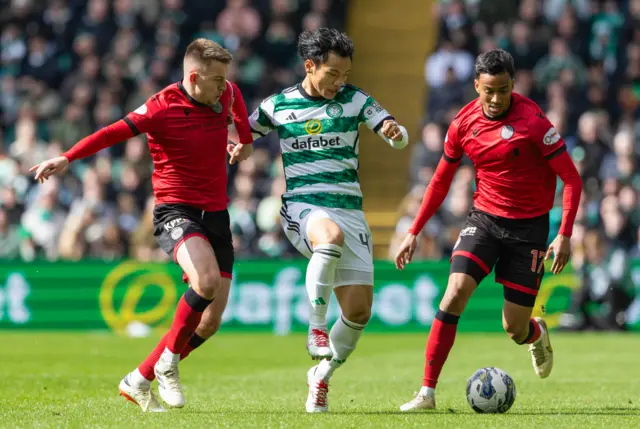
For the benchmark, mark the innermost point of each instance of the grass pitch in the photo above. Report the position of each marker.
(257, 380)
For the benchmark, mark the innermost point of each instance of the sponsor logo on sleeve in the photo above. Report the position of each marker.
(551, 137)
(141, 110)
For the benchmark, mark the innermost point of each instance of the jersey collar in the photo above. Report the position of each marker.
(190, 98)
(502, 116)
(306, 95)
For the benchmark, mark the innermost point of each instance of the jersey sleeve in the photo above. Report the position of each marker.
(261, 120)
(239, 113)
(373, 114)
(452, 147)
(148, 117)
(545, 137)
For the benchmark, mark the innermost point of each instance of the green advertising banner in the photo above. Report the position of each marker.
(265, 296)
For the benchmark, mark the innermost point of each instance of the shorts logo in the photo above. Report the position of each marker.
(313, 127)
(470, 230)
(551, 137)
(334, 110)
(176, 233)
(304, 212)
(507, 132)
(173, 223)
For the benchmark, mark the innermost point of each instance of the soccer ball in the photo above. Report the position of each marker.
(491, 390)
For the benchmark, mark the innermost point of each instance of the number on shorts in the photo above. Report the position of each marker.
(537, 260)
(364, 239)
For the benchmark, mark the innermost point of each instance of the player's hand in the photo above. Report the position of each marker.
(405, 251)
(561, 248)
(239, 152)
(48, 168)
(391, 130)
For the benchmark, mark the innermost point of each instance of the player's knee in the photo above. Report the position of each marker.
(326, 231)
(359, 315)
(207, 283)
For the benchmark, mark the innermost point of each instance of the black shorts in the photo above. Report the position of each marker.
(174, 223)
(516, 247)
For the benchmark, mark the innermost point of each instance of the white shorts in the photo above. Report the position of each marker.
(355, 267)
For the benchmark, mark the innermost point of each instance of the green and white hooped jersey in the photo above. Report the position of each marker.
(319, 142)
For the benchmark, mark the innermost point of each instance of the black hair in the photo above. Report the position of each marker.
(316, 45)
(495, 62)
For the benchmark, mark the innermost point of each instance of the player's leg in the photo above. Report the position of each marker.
(197, 259)
(473, 258)
(178, 235)
(211, 319)
(219, 235)
(355, 303)
(209, 325)
(327, 240)
(312, 231)
(520, 270)
(353, 286)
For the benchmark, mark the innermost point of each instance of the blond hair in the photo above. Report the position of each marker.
(205, 51)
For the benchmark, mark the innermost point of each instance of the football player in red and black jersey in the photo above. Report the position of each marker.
(517, 154)
(187, 128)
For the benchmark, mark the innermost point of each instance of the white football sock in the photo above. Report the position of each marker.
(427, 391)
(321, 273)
(170, 357)
(343, 338)
(136, 379)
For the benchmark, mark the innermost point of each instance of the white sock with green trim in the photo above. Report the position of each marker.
(321, 273)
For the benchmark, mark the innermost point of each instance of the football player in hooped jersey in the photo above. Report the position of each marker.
(317, 122)
(187, 128)
(517, 154)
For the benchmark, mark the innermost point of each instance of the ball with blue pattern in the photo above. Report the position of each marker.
(491, 390)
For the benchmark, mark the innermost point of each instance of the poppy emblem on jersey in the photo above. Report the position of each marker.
(313, 126)
(334, 110)
(507, 132)
(176, 232)
(217, 107)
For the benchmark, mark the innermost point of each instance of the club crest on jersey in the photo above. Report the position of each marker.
(507, 132)
(217, 107)
(313, 126)
(334, 110)
(551, 137)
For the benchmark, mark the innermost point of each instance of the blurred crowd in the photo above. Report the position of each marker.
(70, 67)
(580, 61)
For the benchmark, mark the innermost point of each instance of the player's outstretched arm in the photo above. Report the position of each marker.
(243, 150)
(101, 139)
(563, 165)
(434, 196)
